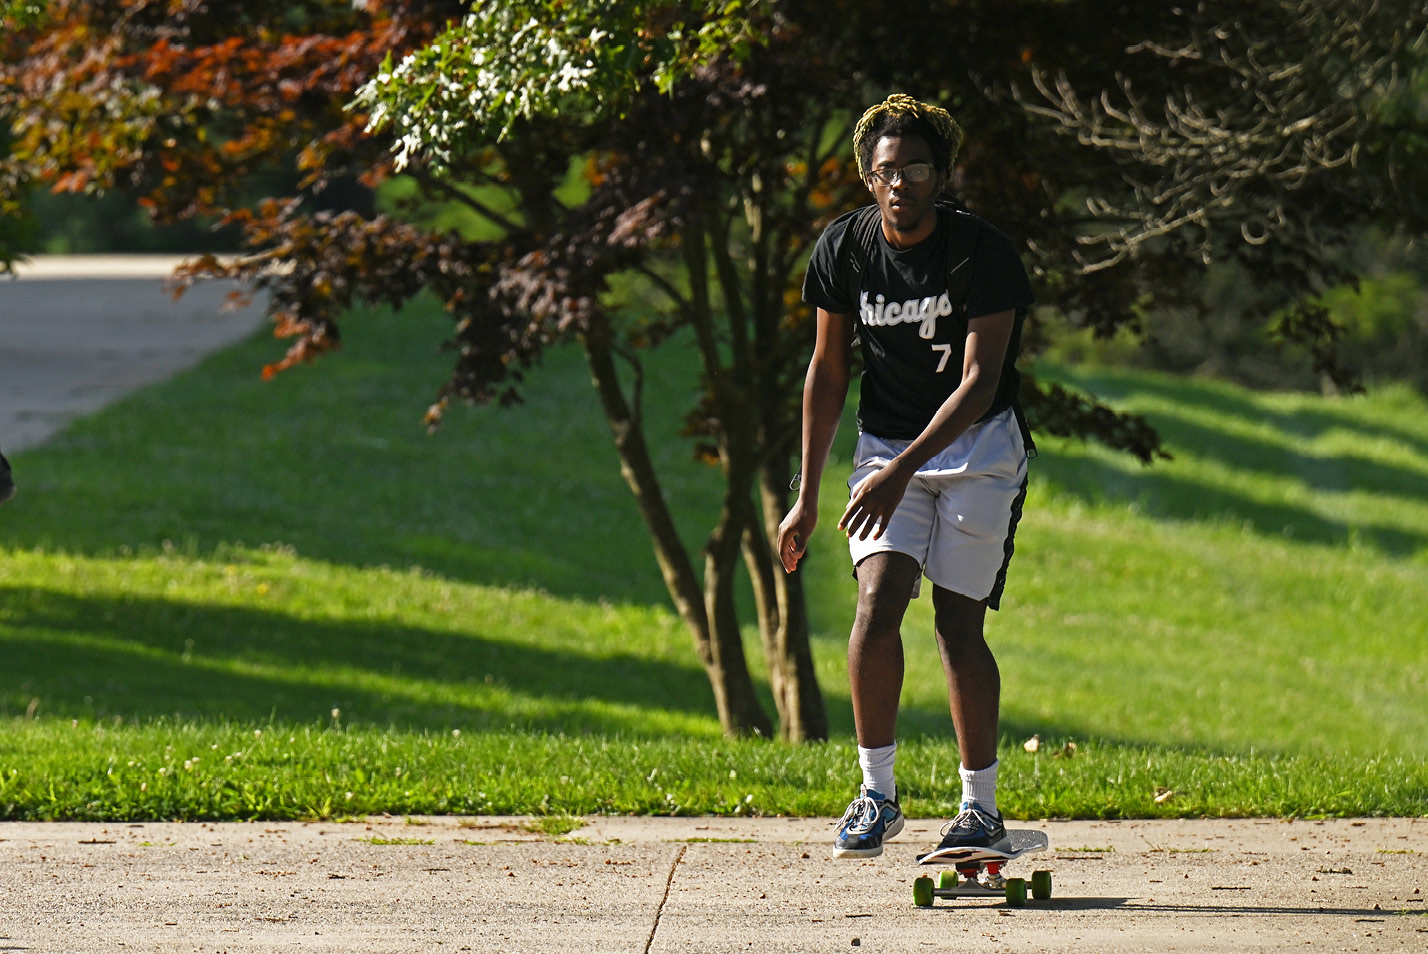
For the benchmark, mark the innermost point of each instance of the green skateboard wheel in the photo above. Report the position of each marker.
(1016, 892)
(1041, 885)
(922, 892)
(947, 879)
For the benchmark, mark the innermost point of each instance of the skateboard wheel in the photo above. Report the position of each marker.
(922, 892)
(1041, 885)
(947, 879)
(1016, 892)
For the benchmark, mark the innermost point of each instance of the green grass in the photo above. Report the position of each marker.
(209, 769)
(224, 598)
(554, 826)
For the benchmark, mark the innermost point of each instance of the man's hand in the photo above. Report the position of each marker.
(873, 501)
(793, 534)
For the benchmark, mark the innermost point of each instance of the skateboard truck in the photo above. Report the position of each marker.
(980, 880)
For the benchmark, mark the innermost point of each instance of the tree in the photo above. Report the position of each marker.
(1269, 135)
(682, 193)
(183, 108)
(1125, 144)
(16, 228)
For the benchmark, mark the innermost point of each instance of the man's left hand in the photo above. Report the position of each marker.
(873, 501)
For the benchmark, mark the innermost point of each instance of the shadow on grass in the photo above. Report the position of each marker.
(142, 658)
(1337, 472)
(1229, 402)
(1161, 491)
(334, 462)
(139, 659)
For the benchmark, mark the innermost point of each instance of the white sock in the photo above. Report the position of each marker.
(877, 765)
(980, 786)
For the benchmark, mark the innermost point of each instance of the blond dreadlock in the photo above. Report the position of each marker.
(900, 105)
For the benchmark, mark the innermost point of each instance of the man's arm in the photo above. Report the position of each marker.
(825, 389)
(876, 497)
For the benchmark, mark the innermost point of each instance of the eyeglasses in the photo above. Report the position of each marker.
(916, 172)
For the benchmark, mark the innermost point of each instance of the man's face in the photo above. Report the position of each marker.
(908, 207)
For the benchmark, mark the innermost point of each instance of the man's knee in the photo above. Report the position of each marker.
(885, 584)
(959, 621)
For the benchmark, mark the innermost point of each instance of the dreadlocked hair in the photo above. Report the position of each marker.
(901, 115)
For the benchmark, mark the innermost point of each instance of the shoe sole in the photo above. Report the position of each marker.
(893, 830)
(857, 852)
(1001, 849)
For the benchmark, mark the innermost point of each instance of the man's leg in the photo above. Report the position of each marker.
(974, 696)
(875, 669)
(875, 661)
(974, 683)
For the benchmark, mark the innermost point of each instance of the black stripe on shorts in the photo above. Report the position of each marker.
(994, 599)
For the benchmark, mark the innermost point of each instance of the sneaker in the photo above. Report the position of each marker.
(870, 818)
(974, 827)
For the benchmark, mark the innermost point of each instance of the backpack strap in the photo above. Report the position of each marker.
(966, 229)
(857, 252)
(858, 248)
(863, 231)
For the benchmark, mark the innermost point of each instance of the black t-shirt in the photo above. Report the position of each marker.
(913, 336)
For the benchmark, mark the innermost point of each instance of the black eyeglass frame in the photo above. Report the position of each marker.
(888, 177)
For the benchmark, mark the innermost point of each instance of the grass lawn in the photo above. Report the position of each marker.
(225, 598)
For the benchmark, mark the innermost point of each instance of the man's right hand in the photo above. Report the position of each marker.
(793, 535)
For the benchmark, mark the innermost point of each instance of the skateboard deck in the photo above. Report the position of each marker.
(1023, 841)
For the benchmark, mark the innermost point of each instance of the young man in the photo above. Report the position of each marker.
(940, 464)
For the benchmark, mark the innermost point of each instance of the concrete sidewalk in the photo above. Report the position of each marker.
(699, 884)
(79, 332)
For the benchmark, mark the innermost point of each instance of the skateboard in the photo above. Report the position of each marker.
(978, 872)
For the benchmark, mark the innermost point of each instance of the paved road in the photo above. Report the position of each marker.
(702, 884)
(78, 332)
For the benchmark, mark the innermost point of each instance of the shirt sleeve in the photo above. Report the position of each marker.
(825, 283)
(999, 280)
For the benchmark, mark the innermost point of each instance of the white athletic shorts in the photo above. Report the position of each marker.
(960, 512)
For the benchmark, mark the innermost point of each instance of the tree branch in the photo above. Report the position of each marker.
(664, 285)
(449, 190)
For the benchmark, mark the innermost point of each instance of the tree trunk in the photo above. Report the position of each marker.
(783, 618)
(734, 698)
(738, 442)
(783, 610)
(720, 562)
(749, 397)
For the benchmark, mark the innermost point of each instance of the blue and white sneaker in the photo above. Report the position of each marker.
(975, 828)
(869, 820)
